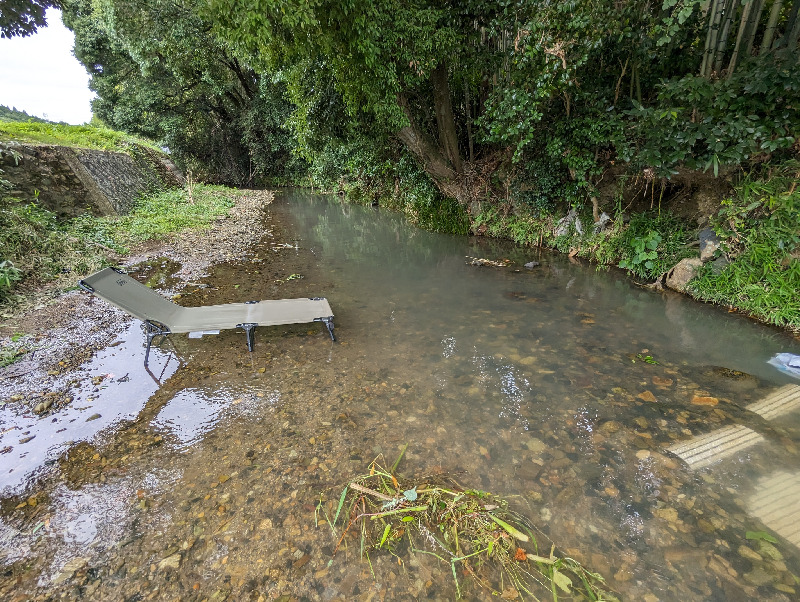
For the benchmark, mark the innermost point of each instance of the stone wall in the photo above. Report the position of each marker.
(70, 181)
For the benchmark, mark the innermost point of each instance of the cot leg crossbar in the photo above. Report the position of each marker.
(250, 333)
(250, 330)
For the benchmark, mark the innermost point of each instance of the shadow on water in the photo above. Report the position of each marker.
(562, 387)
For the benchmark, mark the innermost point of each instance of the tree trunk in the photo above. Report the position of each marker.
(433, 161)
(752, 26)
(448, 138)
(468, 108)
(769, 32)
(740, 36)
(789, 40)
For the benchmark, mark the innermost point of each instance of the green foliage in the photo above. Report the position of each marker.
(159, 72)
(365, 174)
(759, 230)
(703, 124)
(36, 248)
(24, 17)
(9, 275)
(642, 259)
(83, 136)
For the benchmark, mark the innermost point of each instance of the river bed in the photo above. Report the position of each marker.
(564, 388)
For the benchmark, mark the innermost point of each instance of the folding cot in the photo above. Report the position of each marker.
(163, 317)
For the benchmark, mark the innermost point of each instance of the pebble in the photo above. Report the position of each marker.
(43, 406)
(535, 445)
(70, 568)
(767, 550)
(647, 396)
(170, 562)
(750, 554)
(759, 577)
(701, 400)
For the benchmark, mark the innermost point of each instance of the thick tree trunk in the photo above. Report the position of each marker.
(448, 138)
(422, 147)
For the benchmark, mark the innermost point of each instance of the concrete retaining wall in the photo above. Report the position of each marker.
(70, 181)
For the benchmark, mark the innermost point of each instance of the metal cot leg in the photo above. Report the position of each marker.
(249, 332)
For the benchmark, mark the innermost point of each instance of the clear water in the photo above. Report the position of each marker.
(560, 387)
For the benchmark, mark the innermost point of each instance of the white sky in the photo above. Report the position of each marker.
(40, 75)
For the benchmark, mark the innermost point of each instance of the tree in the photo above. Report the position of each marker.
(387, 61)
(24, 17)
(159, 72)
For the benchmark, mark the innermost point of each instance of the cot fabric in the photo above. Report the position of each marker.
(164, 317)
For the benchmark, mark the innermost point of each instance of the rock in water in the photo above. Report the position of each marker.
(679, 276)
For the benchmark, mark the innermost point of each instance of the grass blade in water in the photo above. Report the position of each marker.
(341, 503)
(509, 529)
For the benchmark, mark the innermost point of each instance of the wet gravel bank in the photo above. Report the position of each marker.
(54, 338)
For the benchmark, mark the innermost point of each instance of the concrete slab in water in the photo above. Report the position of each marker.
(777, 504)
(705, 450)
(780, 402)
(702, 451)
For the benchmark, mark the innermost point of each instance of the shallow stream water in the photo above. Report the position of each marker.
(561, 387)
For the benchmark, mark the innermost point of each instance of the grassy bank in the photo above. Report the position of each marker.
(760, 232)
(36, 248)
(82, 136)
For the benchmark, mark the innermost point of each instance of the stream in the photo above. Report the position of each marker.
(629, 425)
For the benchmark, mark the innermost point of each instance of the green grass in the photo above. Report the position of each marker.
(37, 248)
(82, 136)
(169, 212)
(760, 230)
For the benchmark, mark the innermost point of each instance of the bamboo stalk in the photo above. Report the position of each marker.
(746, 11)
(722, 42)
(769, 32)
(752, 26)
(711, 37)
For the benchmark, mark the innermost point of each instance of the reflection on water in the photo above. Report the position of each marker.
(561, 387)
(30, 442)
(189, 415)
(574, 381)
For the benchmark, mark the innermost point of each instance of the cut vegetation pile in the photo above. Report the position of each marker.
(476, 533)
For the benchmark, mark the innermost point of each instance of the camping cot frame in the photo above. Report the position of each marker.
(162, 317)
